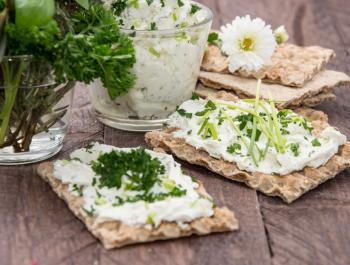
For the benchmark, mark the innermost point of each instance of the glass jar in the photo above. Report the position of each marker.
(34, 111)
(167, 68)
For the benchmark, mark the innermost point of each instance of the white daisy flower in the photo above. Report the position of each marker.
(248, 43)
(281, 35)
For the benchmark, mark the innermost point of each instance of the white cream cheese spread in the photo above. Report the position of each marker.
(113, 188)
(284, 141)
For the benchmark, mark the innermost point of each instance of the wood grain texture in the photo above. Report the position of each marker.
(35, 225)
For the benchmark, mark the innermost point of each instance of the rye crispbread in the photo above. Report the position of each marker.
(323, 84)
(115, 234)
(290, 65)
(288, 187)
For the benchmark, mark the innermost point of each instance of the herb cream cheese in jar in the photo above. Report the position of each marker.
(169, 38)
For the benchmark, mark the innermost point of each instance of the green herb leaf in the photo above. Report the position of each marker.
(162, 3)
(185, 114)
(153, 26)
(149, 2)
(213, 37)
(194, 9)
(257, 134)
(294, 147)
(195, 96)
(180, 3)
(233, 148)
(315, 142)
(118, 6)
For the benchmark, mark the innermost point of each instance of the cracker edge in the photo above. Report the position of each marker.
(289, 187)
(115, 234)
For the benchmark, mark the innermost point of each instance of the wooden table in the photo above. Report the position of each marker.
(36, 225)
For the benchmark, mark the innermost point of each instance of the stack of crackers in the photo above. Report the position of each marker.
(294, 77)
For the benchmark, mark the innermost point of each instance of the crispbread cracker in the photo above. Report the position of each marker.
(290, 65)
(312, 101)
(288, 187)
(114, 234)
(324, 82)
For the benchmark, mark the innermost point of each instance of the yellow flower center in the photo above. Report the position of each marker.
(247, 44)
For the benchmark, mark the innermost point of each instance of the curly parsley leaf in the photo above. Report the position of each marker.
(213, 37)
(183, 113)
(194, 9)
(195, 96)
(118, 6)
(315, 142)
(233, 148)
(294, 147)
(96, 51)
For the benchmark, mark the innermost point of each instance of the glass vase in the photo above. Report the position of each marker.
(34, 111)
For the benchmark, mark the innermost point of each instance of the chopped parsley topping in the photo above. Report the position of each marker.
(162, 3)
(315, 142)
(180, 3)
(195, 96)
(213, 38)
(243, 119)
(142, 173)
(153, 26)
(183, 113)
(294, 147)
(149, 2)
(233, 148)
(141, 169)
(257, 134)
(194, 9)
(78, 189)
(118, 6)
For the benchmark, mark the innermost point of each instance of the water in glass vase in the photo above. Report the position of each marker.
(34, 111)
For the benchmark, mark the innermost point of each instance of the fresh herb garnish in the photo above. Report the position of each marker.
(213, 37)
(180, 3)
(294, 147)
(162, 3)
(194, 9)
(183, 113)
(153, 26)
(195, 96)
(243, 119)
(315, 142)
(257, 134)
(78, 189)
(149, 2)
(141, 169)
(233, 148)
(118, 6)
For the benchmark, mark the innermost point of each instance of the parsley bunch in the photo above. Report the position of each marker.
(92, 47)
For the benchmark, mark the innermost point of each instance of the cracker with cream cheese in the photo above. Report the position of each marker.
(115, 234)
(288, 187)
(290, 65)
